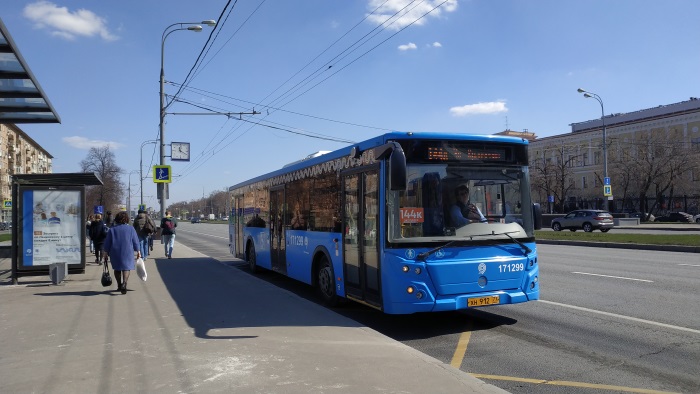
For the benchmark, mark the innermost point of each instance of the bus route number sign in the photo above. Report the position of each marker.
(412, 215)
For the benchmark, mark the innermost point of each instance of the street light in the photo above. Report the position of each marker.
(587, 94)
(166, 33)
(141, 165)
(128, 197)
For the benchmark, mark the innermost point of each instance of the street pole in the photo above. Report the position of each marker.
(161, 129)
(587, 94)
(141, 165)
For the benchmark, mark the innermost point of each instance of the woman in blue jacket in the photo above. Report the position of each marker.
(120, 245)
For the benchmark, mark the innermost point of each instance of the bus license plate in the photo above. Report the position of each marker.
(483, 301)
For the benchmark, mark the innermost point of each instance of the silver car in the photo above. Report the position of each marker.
(585, 219)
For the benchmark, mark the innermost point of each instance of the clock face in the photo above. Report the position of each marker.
(180, 151)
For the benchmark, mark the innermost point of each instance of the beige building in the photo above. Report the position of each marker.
(635, 141)
(19, 154)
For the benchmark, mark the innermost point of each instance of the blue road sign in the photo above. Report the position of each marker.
(98, 209)
(606, 180)
(162, 174)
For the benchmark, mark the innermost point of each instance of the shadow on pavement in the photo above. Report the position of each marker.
(214, 296)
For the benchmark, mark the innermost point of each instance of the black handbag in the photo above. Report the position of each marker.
(106, 277)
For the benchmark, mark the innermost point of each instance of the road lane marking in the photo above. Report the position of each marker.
(461, 349)
(208, 235)
(653, 323)
(691, 265)
(569, 384)
(615, 277)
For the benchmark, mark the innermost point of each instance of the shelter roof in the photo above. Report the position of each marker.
(21, 98)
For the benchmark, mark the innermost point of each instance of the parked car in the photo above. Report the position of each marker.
(643, 216)
(4, 226)
(696, 218)
(676, 217)
(195, 220)
(585, 219)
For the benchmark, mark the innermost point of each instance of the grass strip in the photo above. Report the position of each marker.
(596, 236)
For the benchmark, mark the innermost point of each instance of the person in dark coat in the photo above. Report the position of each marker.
(120, 245)
(168, 224)
(98, 233)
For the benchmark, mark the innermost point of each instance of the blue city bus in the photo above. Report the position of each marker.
(375, 223)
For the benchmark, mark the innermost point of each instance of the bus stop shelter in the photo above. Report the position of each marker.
(48, 213)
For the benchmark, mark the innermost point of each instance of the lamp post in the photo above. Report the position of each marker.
(181, 26)
(587, 94)
(141, 165)
(128, 197)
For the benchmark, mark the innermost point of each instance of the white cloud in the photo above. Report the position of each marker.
(407, 13)
(65, 24)
(407, 47)
(84, 143)
(437, 45)
(494, 107)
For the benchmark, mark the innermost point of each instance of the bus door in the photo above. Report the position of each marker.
(277, 241)
(360, 234)
(236, 218)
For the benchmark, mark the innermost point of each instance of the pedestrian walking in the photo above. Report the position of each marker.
(88, 225)
(144, 226)
(108, 219)
(98, 234)
(120, 245)
(168, 224)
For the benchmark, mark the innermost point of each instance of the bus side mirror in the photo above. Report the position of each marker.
(537, 216)
(396, 163)
(397, 169)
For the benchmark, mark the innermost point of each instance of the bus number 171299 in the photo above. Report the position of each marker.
(511, 267)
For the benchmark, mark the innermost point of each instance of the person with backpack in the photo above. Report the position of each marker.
(168, 224)
(144, 226)
(98, 233)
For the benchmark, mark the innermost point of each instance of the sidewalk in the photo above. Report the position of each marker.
(198, 326)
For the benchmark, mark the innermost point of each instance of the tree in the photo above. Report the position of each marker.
(101, 162)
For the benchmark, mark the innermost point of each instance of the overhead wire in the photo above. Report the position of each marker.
(326, 68)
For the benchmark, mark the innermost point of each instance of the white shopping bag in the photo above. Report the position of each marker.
(141, 269)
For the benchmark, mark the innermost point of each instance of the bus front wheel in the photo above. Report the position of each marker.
(325, 282)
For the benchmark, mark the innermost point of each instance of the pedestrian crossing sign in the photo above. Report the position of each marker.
(607, 190)
(162, 174)
(6, 204)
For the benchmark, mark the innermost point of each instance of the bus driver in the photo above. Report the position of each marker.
(464, 212)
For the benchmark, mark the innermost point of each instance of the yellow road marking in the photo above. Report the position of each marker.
(461, 350)
(571, 384)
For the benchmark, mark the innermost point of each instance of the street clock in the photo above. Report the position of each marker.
(180, 151)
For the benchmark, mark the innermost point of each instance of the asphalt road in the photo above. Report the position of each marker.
(610, 320)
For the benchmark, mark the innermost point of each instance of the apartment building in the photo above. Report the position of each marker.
(648, 136)
(19, 154)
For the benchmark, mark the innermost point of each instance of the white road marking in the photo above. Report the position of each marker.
(691, 265)
(616, 277)
(653, 323)
(208, 235)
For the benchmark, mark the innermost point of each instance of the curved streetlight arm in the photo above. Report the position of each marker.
(141, 164)
(161, 129)
(588, 94)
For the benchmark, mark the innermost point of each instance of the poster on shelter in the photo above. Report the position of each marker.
(51, 227)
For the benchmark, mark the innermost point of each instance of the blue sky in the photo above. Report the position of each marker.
(331, 69)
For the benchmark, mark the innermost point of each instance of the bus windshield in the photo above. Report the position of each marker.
(444, 202)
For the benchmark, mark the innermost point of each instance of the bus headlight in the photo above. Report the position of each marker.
(404, 268)
(410, 289)
(417, 270)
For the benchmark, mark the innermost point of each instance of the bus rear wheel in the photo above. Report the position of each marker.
(325, 282)
(252, 260)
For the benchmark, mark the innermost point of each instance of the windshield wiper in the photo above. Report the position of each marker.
(424, 255)
(507, 234)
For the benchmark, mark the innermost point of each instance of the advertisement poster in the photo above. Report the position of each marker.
(51, 227)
